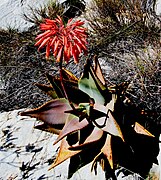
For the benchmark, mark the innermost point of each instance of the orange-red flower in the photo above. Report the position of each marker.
(63, 40)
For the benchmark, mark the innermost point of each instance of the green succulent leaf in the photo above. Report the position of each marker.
(73, 92)
(71, 88)
(85, 107)
(109, 106)
(91, 85)
(88, 86)
(79, 112)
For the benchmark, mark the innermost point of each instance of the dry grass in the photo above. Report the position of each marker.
(67, 9)
(142, 69)
(127, 35)
(20, 67)
(115, 20)
(50, 10)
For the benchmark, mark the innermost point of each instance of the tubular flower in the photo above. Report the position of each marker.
(63, 40)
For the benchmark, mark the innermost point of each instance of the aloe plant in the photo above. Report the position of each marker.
(95, 122)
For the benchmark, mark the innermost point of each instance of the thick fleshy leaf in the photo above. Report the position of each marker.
(104, 163)
(48, 90)
(71, 88)
(104, 109)
(64, 153)
(53, 112)
(107, 151)
(101, 86)
(57, 88)
(98, 70)
(47, 128)
(73, 92)
(92, 138)
(88, 86)
(110, 124)
(71, 126)
(99, 158)
(91, 85)
(141, 130)
(110, 106)
(85, 107)
(85, 156)
(79, 112)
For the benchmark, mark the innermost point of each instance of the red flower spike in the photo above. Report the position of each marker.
(53, 41)
(59, 54)
(45, 27)
(42, 34)
(39, 41)
(45, 41)
(56, 45)
(49, 21)
(78, 48)
(65, 40)
(48, 50)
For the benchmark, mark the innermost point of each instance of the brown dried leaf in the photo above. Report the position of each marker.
(48, 90)
(68, 75)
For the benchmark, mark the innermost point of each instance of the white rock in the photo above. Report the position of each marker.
(16, 134)
(11, 12)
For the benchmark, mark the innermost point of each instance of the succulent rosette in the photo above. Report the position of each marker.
(101, 127)
(63, 40)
